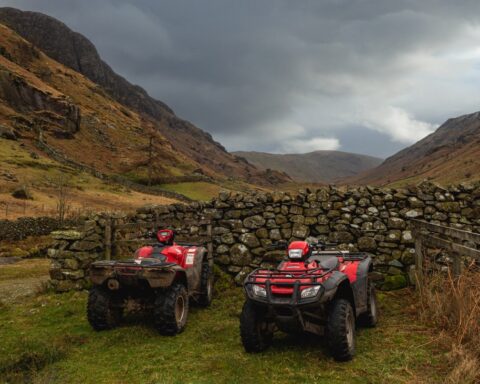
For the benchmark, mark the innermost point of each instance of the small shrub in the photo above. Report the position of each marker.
(22, 193)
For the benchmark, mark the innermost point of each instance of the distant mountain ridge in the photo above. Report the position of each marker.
(316, 167)
(450, 154)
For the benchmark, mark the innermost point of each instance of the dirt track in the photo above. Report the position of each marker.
(11, 290)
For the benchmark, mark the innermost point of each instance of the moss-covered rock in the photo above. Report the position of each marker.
(394, 282)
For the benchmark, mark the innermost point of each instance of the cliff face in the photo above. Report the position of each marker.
(194, 147)
(76, 52)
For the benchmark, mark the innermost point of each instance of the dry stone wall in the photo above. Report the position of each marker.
(375, 220)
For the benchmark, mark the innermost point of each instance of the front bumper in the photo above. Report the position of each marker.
(293, 300)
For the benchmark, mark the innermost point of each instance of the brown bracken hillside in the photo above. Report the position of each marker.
(450, 154)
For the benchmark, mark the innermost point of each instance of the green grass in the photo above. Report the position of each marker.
(200, 190)
(24, 269)
(48, 340)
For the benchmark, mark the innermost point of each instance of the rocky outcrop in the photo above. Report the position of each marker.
(75, 51)
(367, 219)
(47, 112)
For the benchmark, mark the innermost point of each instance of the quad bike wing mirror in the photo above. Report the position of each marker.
(324, 246)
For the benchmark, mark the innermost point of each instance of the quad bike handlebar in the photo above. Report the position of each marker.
(315, 244)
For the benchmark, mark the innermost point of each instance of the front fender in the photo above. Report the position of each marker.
(331, 285)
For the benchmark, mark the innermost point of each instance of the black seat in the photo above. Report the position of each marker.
(326, 262)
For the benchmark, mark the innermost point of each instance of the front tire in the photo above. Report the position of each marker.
(341, 330)
(255, 331)
(104, 310)
(171, 310)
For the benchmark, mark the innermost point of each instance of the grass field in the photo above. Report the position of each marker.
(46, 339)
(199, 190)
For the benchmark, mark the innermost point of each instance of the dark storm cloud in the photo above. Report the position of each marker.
(291, 76)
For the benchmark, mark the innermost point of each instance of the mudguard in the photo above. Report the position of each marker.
(194, 273)
(331, 285)
(360, 285)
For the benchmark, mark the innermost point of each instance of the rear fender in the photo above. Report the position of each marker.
(100, 272)
(194, 273)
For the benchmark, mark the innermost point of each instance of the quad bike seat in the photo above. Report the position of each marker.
(326, 262)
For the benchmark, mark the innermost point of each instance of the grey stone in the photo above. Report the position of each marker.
(396, 223)
(300, 231)
(240, 255)
(227, 238)
(222, 249)
(250, 240)
(254, 222)
(82, 245)
(67, 235)
(367, 244)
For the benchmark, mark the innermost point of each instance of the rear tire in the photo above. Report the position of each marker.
(340, 330)
(254, 330)
(206, 286)
(104, 309)
(370, 317)
(170, 310)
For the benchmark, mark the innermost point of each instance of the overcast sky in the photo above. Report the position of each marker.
(365, 76)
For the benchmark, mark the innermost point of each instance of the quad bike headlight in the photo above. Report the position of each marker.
(310, 292)
(295, 253)
(259, 291)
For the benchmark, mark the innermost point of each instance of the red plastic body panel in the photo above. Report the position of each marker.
(350, 269)
(299, 268)
(176, 254)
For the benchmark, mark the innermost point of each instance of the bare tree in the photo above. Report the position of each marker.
(62, 187)
(150, 160)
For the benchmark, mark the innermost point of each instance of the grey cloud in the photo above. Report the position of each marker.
(257, 73)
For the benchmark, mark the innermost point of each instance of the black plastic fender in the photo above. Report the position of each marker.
(331, 285)
(360, 285)
(194, 273)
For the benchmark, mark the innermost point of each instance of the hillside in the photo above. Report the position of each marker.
(450, 154)
(317, 167)
(85, 104)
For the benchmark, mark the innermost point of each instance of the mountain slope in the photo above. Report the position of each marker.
(450, 154)
(192, 147)
(317, 167)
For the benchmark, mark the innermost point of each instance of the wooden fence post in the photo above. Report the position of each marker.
(457, 264)
(108, 238)
(418, 261)
(210, 244)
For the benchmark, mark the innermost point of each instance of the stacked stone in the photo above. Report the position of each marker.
(375, 220)
(72, 255)
(358, 219)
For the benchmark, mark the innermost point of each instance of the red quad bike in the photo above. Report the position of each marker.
(161, 278)
(319, 290)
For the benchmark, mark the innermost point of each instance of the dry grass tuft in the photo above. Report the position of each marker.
(453, 305)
